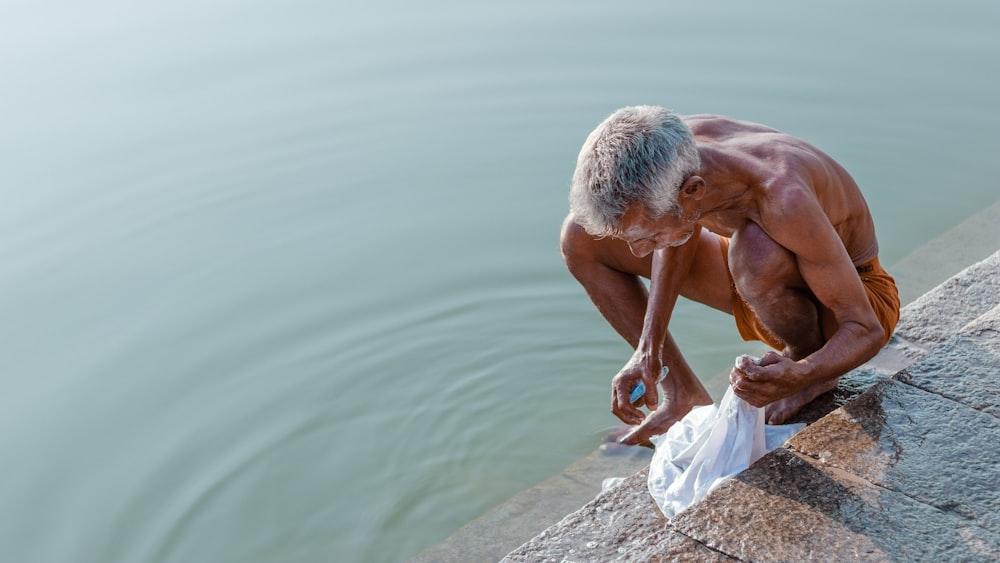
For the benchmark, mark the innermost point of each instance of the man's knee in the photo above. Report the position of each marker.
(759, 265)
(587, 256)
(575, 244)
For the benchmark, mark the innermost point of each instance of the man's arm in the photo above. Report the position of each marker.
(670, 266)
(796, 221)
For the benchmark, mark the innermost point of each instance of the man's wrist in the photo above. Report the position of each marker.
(644, 354)
(649, 346)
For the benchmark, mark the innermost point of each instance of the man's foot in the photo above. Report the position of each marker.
(781, 410)
(660, 420)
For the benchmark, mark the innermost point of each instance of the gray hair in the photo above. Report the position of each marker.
(639, 154)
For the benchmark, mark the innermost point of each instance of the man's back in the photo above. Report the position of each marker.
(772, 163)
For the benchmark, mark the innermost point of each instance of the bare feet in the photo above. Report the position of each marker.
(660, 420)
(783, 409)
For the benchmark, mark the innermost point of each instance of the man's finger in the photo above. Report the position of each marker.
(652, 397)
(734, 376)
(623, 409)
(755, 373)
(738, 388)
(745, 362)
(770, 358)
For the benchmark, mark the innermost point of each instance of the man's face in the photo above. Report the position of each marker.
(644, 235)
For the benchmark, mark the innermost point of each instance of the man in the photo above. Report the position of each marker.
(739, 217)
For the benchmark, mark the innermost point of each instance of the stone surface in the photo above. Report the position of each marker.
(621, 524)
(851, 385)
(929, 448)
(966, 368)
(785, 508)
(891, 469)
(961, 371)
(896, 355)
(985, 331)
(940, 313)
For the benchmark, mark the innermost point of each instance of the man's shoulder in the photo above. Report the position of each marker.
(788, 194)
(716, 125)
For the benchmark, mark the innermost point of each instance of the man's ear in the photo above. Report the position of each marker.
(693, 187)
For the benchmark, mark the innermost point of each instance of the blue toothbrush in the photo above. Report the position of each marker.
(640, 389)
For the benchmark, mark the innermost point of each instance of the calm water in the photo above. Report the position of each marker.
(281, 281)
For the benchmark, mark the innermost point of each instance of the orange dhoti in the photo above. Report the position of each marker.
(879, 285)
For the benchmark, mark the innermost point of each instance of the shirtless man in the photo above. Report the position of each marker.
(739, 217)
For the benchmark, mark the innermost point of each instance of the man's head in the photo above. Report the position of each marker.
(638, 155)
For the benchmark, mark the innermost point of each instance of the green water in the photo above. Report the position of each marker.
(281, 280)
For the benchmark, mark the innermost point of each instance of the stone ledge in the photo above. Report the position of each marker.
(861, 483)
(943, 311)
(791, 508)
(965, 368)
(904, 439)
(621, 524)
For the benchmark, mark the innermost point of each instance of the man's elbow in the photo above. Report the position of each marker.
(874, 340)
(868, 337)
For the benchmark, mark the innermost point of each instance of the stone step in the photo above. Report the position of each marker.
(965, 368)
(908, 470)
(793, 508)
(900, 462)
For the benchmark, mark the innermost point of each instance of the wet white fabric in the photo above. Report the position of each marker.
(708, 446)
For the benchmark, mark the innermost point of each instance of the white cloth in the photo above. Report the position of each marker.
(706, 447)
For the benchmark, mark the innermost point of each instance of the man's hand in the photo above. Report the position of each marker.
(640, 368)
(774, 378)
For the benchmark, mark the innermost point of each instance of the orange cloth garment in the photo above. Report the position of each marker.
(879, 285)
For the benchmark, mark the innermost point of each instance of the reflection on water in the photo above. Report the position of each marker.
(281, 281)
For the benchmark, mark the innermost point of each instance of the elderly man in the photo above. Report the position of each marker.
(739, 217)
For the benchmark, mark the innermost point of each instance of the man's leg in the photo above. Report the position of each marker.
(610, 274)
(767, 277)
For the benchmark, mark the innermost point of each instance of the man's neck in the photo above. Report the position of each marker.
(720, 167)
(728, 200)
